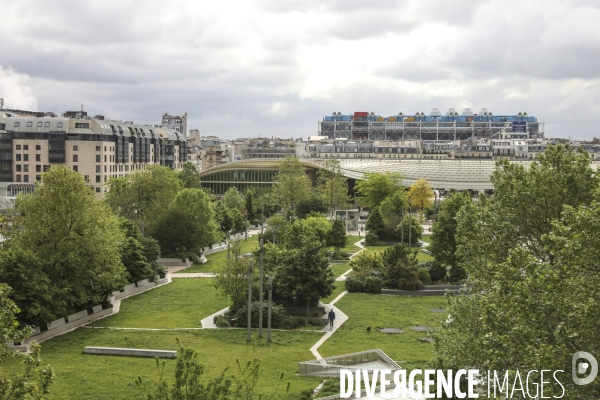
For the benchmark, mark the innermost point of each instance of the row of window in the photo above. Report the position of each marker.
(39, 124)
(25, 168)
(25, 157)
(26, 147)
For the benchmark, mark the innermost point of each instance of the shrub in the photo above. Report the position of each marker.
(277, 315)
(457, 274)
(354, 284)
(373, 284)
(371, 239)
(221, 321)
(437, 271)
(424, 276)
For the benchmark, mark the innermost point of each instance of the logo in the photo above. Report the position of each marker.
(581, 367)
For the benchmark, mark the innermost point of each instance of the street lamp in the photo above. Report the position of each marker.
(249, 335)
(270, 303)
(260, 298)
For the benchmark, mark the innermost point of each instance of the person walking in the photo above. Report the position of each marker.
(331, 318)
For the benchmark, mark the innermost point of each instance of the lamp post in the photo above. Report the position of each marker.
(246, 227)
(260, 295)
(410, 224)
(402, 231)
(249, 335)
(262, 216)
(269, 313)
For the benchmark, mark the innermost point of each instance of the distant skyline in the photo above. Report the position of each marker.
(277, 67)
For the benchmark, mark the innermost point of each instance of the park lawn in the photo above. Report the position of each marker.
(421, 257)
(426, 238)
(82, 376)
(339, 269)
(179, 304)
(350, 244)
(215, 259)
(380, 311)
(339, 288)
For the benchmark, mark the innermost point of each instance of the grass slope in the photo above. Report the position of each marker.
(213, 260)
(180, 304)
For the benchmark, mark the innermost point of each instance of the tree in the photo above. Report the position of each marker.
(249, 200)
(400, 268)
(222, 217)
(292, 183)
(189, 176)
(532, 257)
(392, 209)
(413, 230)
(376, 187)
(231, 278)
(78, 238)
(133, 255)
(421, 194)
(332, 185)
(365, 263)
(337, 235)
(312, 205)
(375, 222)
(188, 225)
(144, 195)
(305, 277)
(35, 380)
(233, 199)
(443, 244)
(319, 226)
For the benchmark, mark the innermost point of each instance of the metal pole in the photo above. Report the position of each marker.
(228, 249)
(249, 336)
(260, 294)
(269, 313)
(402, 232)
(246, 228)
(410, 226)
(262, 216)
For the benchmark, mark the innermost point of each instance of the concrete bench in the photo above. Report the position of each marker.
(117, 351)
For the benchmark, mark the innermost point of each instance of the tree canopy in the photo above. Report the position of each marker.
(374, 187)
(421, 194)
(332, 185)
(292, 183)
(189, 176)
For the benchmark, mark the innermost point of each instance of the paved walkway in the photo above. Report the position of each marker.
(208, 322)
(340, 318)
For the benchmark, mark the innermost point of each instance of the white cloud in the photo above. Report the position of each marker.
(15, 89)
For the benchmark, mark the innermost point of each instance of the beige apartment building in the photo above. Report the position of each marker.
(97, 148)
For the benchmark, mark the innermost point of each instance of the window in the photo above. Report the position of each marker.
(38, 177)
(104, 178)
(38, 146)
(18, 157)
(98, 179)
(26, 168)
(75, 148)
(38, 168)
(98, 158)
(18, 178)
(25, 157)
(47, 124)
(97, 148)
(39, 124)
(97, 190)
(18, 147)
(86, 178)
(29, 125)
(25, 178)
(105, 158)
(75, 158)
(104, 148)
(25, 147)
(97, 168)
(75, 168)
(18, 167)
(59, 125)
(105, 168)
(38, 157)
(17, 124)
(82, 125)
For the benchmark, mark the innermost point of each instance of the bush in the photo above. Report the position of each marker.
(437, 271)
(424, 276)
(354, 285)
(371, 239)
(277, 315)
(373, 284)
(221, 321)
(293, 322)
(457, 274)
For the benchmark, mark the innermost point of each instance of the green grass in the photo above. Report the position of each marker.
(426, 238)
(213, 260)
(421, 257)
(82, 376)
(180, 304)
(350, 246)
(379, 312)
(339, 269)
(339, 288)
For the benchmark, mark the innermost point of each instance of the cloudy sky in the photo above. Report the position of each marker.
(276, 67)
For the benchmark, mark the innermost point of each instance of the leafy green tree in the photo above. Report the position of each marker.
(266, 200)
(376, 187)
(292, 183)
(189, 176)
(532, 257)
(305, 277)
(238, 220)
(231, 278)
(413, 230)
(421, 194)
(144, 195)
(133, 255)
(375, 223)
(365, 263)
(77, 238)
(332, 185)
(320, 226)
(400, 268)
(188, 225)
(392, 209)
(232, 199)
(34, 381)
(337, 235)
(249, 200)
(222, 217)
(310, 206)
(32, 291)
(443, 244)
